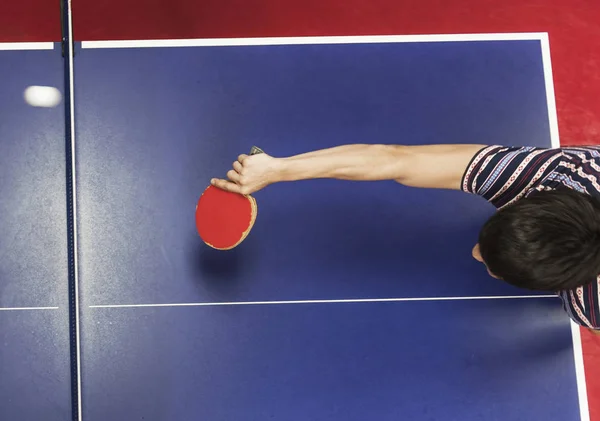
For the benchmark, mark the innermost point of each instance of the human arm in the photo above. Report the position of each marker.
(427, 166)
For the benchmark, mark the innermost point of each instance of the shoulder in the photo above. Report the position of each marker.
(503, 174)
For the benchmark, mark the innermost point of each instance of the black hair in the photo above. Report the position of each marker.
(548, 241)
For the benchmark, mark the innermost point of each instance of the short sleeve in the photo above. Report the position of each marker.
(504, 174)
(583, 304)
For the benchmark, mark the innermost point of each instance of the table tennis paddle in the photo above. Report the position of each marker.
(224, 219)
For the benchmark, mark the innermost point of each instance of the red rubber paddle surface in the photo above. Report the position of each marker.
(223, 219)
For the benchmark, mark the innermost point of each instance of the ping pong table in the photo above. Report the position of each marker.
(348, 301)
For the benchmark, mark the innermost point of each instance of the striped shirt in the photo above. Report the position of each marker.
(503, 175)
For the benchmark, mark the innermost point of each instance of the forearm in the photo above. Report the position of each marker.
(349, 162)
(428, 166)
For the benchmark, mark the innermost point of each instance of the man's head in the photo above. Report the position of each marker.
(549, 241)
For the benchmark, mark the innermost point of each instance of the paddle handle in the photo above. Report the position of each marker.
(256, 150)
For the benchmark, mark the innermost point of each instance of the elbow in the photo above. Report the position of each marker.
(393, 163)
(398, 163)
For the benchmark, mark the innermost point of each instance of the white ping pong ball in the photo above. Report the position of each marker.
(42, 96)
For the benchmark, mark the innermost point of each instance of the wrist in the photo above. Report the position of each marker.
(279, 170)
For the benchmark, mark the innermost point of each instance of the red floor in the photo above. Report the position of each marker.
(573, 25)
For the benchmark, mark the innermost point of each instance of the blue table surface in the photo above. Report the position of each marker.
(154, 125)
(34, 344)
(493, 361)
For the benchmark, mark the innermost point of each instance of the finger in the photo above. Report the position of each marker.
(237, 166)
(233, 176)
(225, 185)
(242, 157)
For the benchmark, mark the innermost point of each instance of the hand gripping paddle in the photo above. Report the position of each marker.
(224, 219)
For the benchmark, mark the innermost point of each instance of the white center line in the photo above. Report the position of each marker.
(335, 301)
(26, 308)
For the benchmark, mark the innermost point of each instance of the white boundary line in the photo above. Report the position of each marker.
(550, 96)
(584, 408)
(21, 46)
(74, 184)
(357, 300)
(27, 308)
(361, 39)
(555, 142)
